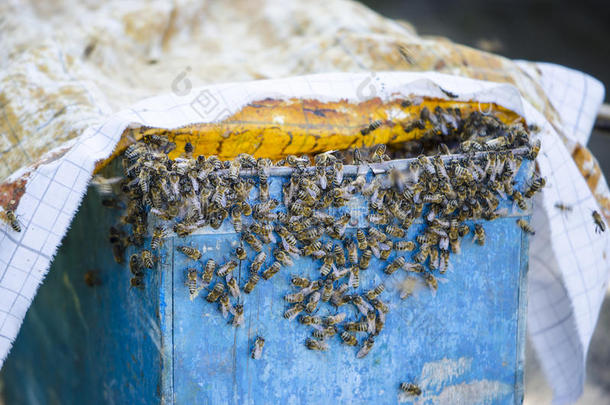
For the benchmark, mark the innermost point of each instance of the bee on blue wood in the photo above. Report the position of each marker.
(257, 350)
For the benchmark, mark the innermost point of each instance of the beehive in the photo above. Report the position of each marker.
(177, 335)
(155, 344)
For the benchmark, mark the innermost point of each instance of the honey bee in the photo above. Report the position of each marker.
(414, 267)
(371, 127)
(355, 326)
(402, 246)
(374, 293)
(600, 225)
(289, 243)
(233, 287)
(338, 274)
(365, 259)
(520, 200)
(534, 150)
(354, 277)
(379, 154)
(240, 252)
(327, 265)
(216, 292)
(379, 322)
(226, 268)
(258, 261)
(312, 302)
(310, 320)
(257, 350)
(527, 228)
(137, 282)
(294, 298)
(327, 290)
(191, 282)
(395, 265)
(378, 219)
(380, 306)
(271, 271)
(325, 333)
(236, 218)
(366, 347)
(430, 280)
(339, 255)
(282, 257)
(253, 241)
(352, 252)
(377, 235)
(456, 246)
(334, 319)
(313, 249)
(293, 311)
(410, 389)
(479, 234)
(536, 185)
(246, 209)
(225, 305)
(300, 282)
(192, 253)
(362, 306)
(395, 231)
(563, 207)
(208, 272)
(385, 250)
(361, 238)
(434, 259)
(135, 265)
(349, 339)
(428, 238)
(444, 261)
(463, 230)
(238, 315)
(370, 321)
(157, 237)
(251, 283)
(314, 344)
(147, 258)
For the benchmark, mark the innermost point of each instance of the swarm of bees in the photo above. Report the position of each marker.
(463, 183)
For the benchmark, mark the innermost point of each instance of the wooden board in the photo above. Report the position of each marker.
(112, 344)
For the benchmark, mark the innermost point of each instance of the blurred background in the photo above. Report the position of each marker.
(575, 34)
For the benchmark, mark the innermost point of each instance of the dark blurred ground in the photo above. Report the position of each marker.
(575, 34)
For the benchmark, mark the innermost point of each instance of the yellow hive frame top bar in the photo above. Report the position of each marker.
(277, 128)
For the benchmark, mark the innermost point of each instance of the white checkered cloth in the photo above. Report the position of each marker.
(568, 265)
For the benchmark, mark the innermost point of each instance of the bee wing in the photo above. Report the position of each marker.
(375, 251)
(257, 352)
(363, 351)
(225, 310)
(103, 185)
(384, 246)
(323, 182)
(285, 245)
(272, 238)
(318, 254)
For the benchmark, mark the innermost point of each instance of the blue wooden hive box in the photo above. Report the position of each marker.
(90, 338)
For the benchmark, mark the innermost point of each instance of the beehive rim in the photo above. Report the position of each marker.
(377, 168)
